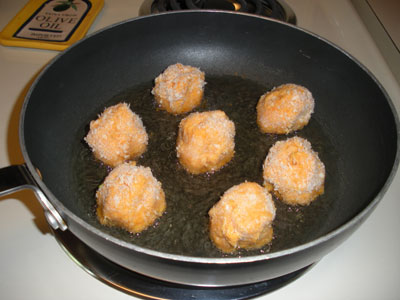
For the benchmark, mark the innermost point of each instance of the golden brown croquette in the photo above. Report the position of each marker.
(285, 109)
(130, 197)
(242, 218)
(118, 135)
(205, 141)
(179, 89)
(294, 172)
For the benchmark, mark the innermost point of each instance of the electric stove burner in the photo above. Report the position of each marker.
(268, 8)
(146, 287)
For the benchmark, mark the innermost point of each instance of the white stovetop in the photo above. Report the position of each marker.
(33, 266)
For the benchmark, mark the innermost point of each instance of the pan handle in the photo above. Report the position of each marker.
(16, 178)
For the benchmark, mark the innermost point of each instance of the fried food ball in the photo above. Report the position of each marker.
(205, 141)
(130, 198)
(285, 109)
(179, 89)
(242, 218)
(118, 135)
(294, 172)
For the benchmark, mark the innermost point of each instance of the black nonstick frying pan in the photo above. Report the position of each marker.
(354, 129)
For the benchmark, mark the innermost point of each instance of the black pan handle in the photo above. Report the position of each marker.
(16, 178)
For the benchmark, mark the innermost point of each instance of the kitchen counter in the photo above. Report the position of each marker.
(33, 265)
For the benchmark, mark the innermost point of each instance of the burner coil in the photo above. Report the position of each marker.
(268, 8)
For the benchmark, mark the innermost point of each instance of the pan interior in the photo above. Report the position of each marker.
(353, 127)
(183, 229)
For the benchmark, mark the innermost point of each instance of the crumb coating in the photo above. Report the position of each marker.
(130, 197)
(242, 218)
(294, 172)
(205, 141)
(118, 135)
(179, 89)
(285, 109)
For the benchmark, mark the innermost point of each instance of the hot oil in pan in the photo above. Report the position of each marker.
(183, 229)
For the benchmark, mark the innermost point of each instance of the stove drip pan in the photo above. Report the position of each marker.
(276, 9)
(145, 287)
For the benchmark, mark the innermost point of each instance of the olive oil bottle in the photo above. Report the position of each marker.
(51, 24)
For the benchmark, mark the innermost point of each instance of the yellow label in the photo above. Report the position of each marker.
(55, 20)
(51, 24)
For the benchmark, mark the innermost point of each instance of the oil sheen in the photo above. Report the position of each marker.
(183, 228)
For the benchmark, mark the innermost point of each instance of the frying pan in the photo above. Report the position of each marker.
(354, 128)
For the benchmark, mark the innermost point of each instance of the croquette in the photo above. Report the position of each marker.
(285, 109)
(118, 135)
(294, 172)
(179, 89)
(242, 218)
(130, 197)
(205, 141)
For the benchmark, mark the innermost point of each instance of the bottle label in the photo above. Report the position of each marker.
(55, 20)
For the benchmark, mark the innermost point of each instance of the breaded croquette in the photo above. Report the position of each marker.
(130, 197)
(118, 135)
(179, 89)
(294, 172)
(242, 218)
(285, 109)
(205, 141)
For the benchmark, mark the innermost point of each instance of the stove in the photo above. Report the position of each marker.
(34, 264)
(138, 285)
(275, 9)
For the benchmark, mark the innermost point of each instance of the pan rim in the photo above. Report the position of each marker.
(64, 211)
